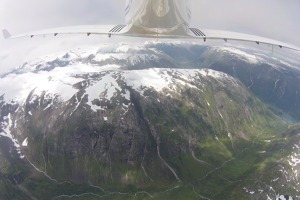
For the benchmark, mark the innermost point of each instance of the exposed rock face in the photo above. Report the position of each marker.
(110, 119)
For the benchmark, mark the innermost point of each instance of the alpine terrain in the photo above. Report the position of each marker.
(159, 120)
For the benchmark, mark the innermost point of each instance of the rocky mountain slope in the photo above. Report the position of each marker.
(150, 121)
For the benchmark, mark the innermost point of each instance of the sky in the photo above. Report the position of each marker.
(276, 19)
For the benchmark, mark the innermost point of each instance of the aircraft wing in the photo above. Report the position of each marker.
(207, 34)
(193, 33)
(88, 30)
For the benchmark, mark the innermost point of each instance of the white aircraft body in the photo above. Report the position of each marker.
(157, 18)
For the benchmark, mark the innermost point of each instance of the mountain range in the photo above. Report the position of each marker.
(159, 120)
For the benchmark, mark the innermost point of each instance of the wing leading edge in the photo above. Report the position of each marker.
(88, 30)
(192, 33)
(207, 34)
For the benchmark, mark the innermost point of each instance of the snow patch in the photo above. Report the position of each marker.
(6, 127)
(229, 135)
(249, 191)
(213, 73)
(276, 179)
(149, 78)
(105, 88)
(59, 81)
(126, 95)
(25, 142)
(220, 115)
(234, 51)
(294, 161)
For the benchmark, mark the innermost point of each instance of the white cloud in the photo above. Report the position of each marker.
(23, 16)
(275, 19)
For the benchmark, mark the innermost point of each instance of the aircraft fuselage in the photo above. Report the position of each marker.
(158, 16)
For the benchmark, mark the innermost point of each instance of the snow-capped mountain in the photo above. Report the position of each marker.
(150, 119)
